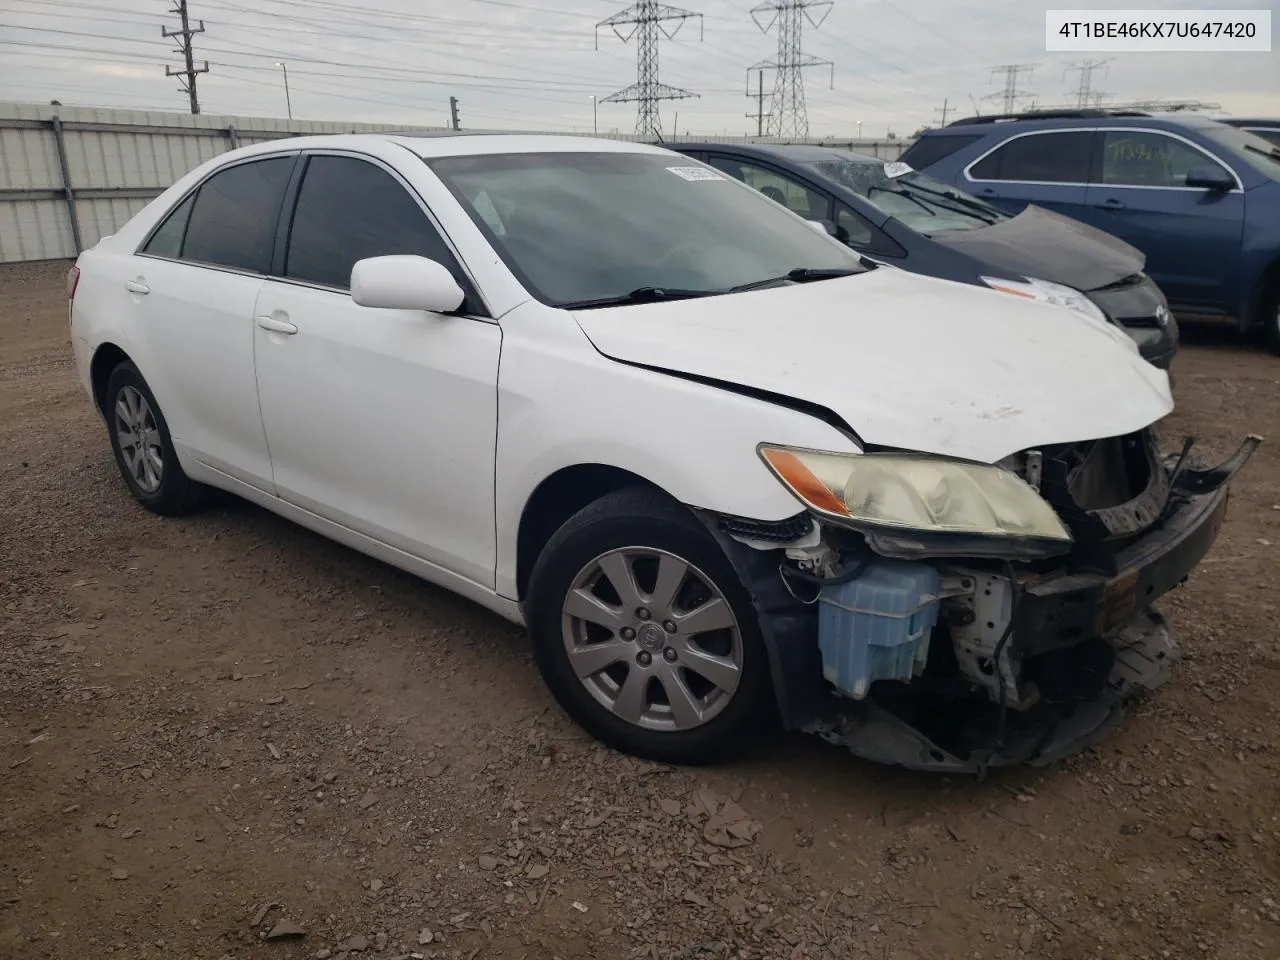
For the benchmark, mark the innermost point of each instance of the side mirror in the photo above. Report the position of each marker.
(405, 283)
(1209, 178)
(825, 226)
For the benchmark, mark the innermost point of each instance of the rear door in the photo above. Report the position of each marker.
(383, 421)
(194, 283)
(1049, 168)
(1191, 236)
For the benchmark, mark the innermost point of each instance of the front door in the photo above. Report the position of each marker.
(1191, 236)
(381, 420)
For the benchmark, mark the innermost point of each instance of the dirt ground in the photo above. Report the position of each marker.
(214, 725)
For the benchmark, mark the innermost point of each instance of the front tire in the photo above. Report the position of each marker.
(645, 634)
(143, 447)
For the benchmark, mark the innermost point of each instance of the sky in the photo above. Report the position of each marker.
(537, 65)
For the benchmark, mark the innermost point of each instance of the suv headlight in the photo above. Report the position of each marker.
(915, 492)
(1047, 292)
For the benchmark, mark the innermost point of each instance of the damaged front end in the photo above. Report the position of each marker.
(948, 650)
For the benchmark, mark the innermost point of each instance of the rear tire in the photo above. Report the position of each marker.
(143, 447)
(679, 674)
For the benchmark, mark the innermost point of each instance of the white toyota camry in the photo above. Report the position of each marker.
(725, 470)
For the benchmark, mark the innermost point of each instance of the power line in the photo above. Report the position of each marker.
(1010, 94)
(788, 115)
(647, 18)
(187, 74)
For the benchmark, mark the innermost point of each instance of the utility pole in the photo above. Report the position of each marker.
(288, 102)
(453, 113)
(1085, 93)
(758, 97)
(647, 19)
(788, 115)
(946, 101)
(185, 33)
(1009, 96)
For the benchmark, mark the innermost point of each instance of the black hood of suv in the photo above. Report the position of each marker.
(1041, 243)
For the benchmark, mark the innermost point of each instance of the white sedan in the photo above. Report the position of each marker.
(724, 469)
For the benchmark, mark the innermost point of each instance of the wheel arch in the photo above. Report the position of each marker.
(557, 498)
(1266, 284)
(106, 358)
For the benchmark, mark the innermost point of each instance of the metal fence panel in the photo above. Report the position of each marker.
(72, 175)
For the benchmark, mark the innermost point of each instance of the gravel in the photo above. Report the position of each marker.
(248, 715)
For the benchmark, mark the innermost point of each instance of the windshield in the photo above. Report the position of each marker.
(926, 205)
(1262, 155)
(578, 228)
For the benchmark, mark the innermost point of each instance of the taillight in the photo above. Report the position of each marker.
(73, 281)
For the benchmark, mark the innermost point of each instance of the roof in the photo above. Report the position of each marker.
(1051, 119)
(794, 152)
(448, 144)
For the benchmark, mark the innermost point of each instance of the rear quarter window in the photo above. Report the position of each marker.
(927, 151)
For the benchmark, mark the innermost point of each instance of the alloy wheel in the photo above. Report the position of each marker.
(652, 638)
(139, 439)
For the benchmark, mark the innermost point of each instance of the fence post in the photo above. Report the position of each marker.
(67, 189)
(233, 138)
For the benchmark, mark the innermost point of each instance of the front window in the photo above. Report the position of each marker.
(1144, 158)
(1262, 155)
(584, 228)
(926, 205)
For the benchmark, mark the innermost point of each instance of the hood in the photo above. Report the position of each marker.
(907, 361)
(1041, 243)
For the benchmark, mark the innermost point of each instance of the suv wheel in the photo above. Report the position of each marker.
(645, 634)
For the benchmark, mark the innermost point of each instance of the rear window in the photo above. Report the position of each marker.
(1040, 158)
(929, 150)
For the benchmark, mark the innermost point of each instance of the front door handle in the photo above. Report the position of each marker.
(137, 286)
(276, 325)
(1111, 203)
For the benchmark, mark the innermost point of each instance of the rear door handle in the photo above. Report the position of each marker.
(276, 325)
(136, 286)
(1111, 203)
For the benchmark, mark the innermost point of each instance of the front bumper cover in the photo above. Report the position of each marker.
(1056, 613)
(1145, 653)
(1065, 608)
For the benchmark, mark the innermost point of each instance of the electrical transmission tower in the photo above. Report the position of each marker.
(647, 18)
(788, 115)
(1085, 94)
(188, 72)
(1010, 94)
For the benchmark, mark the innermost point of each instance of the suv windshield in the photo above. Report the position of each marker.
(587, 229)
(926, 205)
(1261, 154)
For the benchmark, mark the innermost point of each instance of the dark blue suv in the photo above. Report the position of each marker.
(1200, 198)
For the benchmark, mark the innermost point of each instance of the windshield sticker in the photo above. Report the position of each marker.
(693, 174)
(895, 170)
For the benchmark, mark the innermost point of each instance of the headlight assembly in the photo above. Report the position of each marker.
(907, 493)
(1046, 292)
